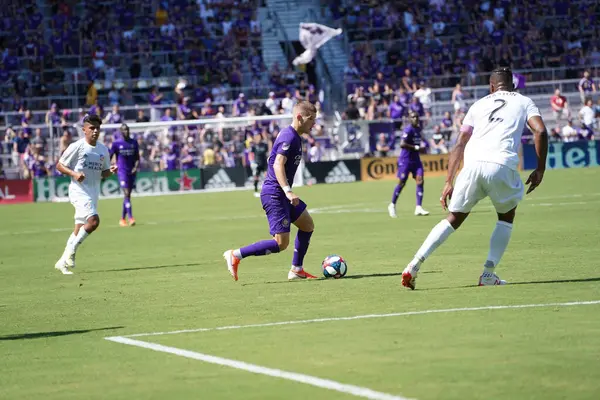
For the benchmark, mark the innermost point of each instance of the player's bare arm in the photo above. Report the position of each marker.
(455, 159)
(63, 169)
(136, 165)
(540, 138)
(279, 168)
(108, 172)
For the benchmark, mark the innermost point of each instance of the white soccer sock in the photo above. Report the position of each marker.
(498, 244)
(70, 241)
(437, 236)
(237, 253)
(78, 239)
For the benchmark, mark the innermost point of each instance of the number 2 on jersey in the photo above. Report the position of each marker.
(492, 119)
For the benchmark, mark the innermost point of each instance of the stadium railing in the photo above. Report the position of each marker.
(548, 76)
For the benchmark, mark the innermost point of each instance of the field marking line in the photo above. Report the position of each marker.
(367, 316)
(338, 209)
(257, 369)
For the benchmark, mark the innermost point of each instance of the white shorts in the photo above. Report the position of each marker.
(85, 207)
(483, 179)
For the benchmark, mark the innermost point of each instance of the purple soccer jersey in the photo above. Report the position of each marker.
(288, 143)
(409, 161)
(128, 154)
(39, 168)
(280, 213)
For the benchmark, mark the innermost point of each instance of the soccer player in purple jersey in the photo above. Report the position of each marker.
(128, 159)
(282, 206)
(409, 162)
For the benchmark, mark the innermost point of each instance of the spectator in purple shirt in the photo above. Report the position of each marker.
(168, 161)
(416, 106)
(26, 121)
(410, 85)
(396, 112)
(240, 106)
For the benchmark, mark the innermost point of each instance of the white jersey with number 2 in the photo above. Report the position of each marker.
(498, 121)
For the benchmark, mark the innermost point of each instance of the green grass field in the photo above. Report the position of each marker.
(167, 274)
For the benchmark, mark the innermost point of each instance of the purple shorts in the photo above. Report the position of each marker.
(127, 181)
(414, 168)
(280, 212)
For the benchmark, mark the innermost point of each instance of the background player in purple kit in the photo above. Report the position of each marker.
(282, 206)
(409, 162)
(258, 160)
(128, 158)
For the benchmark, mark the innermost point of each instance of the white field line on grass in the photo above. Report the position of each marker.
(367, 316)
(257, 369)
(337, 209)
(301, 378)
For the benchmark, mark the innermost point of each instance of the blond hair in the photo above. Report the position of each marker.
(304, 108)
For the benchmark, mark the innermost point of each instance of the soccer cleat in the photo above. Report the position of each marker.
(302, 274)
(392, 210)
(408, 280)
(421, 211)
(232, 263)
(131, 222)
(62, 267)
(69, 259)
(490, 279)
(256, 194)
(409, 277)
(122, 222)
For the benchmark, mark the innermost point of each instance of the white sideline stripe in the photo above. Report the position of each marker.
(176, 193)
(339, 209)
(257, 369)
(400, 314)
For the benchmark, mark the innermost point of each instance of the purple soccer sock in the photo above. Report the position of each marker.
(420, 194)
(262, 248)
(129, 208)
(301, 247)
(124, 213)
(397, 191)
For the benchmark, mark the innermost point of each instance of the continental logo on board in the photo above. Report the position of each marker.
(374, 169)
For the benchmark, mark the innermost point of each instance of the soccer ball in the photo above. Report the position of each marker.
(334, 266)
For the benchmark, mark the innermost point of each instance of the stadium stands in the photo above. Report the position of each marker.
(201, 59)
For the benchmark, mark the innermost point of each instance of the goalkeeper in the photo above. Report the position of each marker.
(258, 160)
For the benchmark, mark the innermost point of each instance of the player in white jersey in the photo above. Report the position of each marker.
(489, 141)
(87, 162)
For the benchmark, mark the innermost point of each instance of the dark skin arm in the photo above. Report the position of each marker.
(540, 139)
(404, 145)
(108, 172)
(456, 158)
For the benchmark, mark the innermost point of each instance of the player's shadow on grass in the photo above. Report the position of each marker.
(557, 281)
(582, 280)
(363, 276)
(144, 268)
(388, 274)
(38, 335)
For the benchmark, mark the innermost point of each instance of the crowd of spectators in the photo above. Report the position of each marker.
(399, 51)
(26, 147)
(43, 49)
(446, 41)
